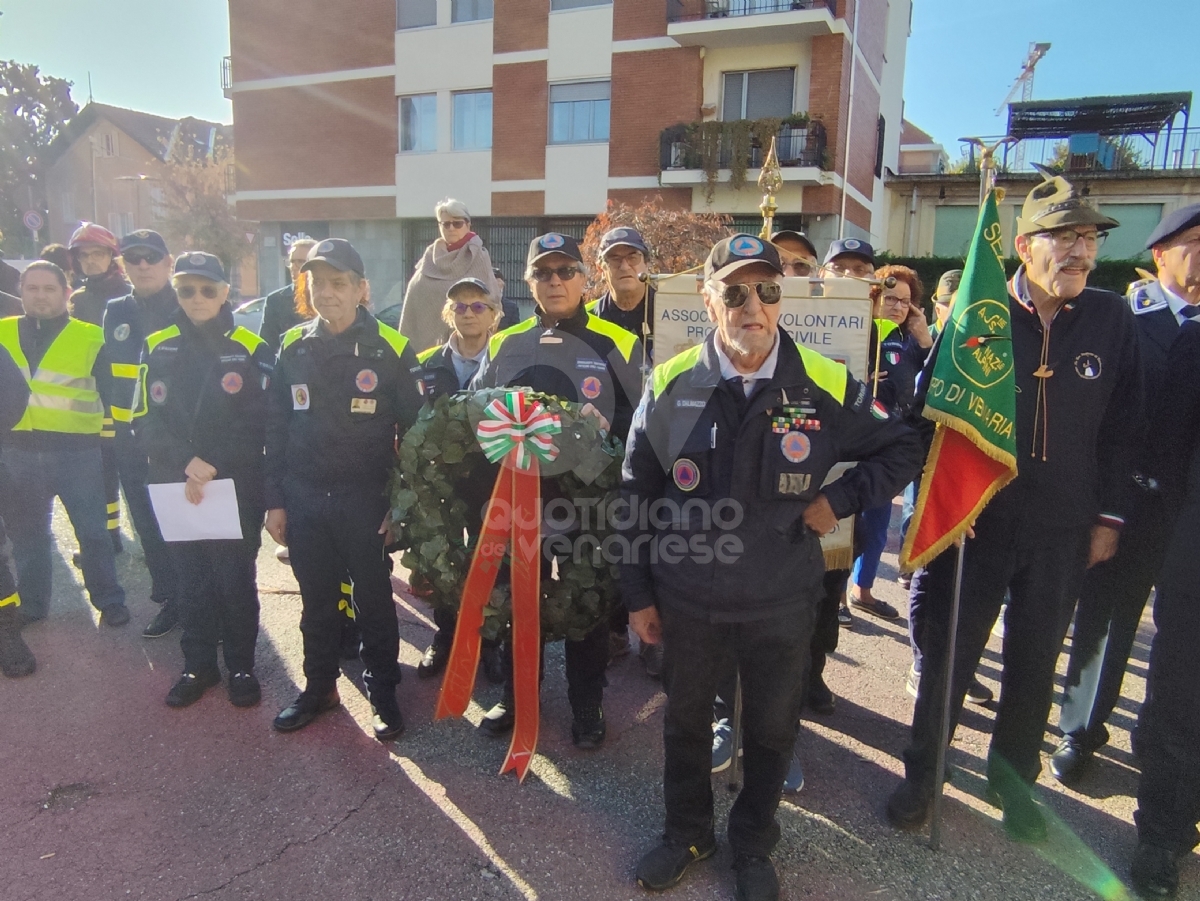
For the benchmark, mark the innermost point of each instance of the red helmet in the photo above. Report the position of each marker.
(91, 233)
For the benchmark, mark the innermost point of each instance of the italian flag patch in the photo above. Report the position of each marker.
(878, 410)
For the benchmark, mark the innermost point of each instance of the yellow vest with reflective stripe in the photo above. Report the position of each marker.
(63, 395)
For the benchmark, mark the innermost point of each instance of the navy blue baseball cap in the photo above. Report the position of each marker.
(1173, 223)
(623, 237)
(202, 264)
(468, 282)
(851, 247)
(338, 253)
(544, 245)
(146, 239)
(738, 251)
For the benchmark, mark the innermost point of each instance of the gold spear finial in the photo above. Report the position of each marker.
(770, 182)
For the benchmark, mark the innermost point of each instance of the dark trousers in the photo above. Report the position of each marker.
(134, 472)
(827, 629)
(218, 603)
(1110, 609)
(35, 478)
(772, 656)
(585, 663)
(1169, 726)
(331, 533)
(1041, 568)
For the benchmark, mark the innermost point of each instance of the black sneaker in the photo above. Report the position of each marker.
(116, 615)
(845, 617)
(820, 698)
(191, 688)
(756, 879)
(664, 866)
(978, 693)
(651, 656)
(164, 621)
(434, 661)
(588, 729)
(1154, 872)
(244, 690)
(305, 709)
(387, 723)
(1023, 821)
(909, 805)
(499, 720)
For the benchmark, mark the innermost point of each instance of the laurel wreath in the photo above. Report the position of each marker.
(440, 454)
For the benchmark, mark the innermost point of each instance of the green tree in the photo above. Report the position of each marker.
(35, 110)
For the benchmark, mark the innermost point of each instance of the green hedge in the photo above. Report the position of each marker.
(1115, 275)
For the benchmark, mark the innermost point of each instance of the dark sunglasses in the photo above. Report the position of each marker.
(478, 307)
(136, 257)
(737, 295)
(565, 273)
(187, 292)
(452, 223)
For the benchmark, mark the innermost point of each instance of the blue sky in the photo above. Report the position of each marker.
(164, 56)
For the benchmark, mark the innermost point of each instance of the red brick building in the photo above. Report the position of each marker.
(536, 113)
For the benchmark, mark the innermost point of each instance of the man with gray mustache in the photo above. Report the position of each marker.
(1078, 420)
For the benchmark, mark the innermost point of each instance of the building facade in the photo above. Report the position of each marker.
(537, 113)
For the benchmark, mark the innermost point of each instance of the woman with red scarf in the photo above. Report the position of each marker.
(457, 254)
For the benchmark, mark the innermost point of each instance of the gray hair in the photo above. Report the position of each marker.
(456, 208)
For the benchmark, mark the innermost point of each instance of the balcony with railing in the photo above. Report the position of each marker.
(1175, 150)
(711, 153)
(728, 23)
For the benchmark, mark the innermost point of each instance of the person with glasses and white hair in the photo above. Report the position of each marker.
(458, 253)
(746, 425)
(201, 415)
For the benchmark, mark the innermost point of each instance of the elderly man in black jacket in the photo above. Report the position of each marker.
(1079, 415)
(724, 467)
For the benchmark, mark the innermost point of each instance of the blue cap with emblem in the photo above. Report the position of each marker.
(850, 247)
(338, 253)
(737, 251)
(144, 238)
(202, 264)
(623, 236)
(468, 282)
(545, 245)
(1174, 223)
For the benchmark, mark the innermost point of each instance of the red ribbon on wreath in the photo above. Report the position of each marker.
(517, 433)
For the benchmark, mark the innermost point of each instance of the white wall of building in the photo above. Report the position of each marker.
(576, 178)
(580, 44)
(422, 179)
(891, 107)
(447, 57)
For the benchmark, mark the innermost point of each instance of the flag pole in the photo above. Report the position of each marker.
(987, 177)
(935, 822)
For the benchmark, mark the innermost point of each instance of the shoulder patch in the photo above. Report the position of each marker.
(1142, 301)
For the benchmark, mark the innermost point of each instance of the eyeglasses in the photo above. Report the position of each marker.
(891, 300)
(797, 268)
(737, 295)
(453, 223)
(92, 253)
(633, 260)
(137, 257)
(478, 307)
(187, 292)
(1067, 238)
(565, 273)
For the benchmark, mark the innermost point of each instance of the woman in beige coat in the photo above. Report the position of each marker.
(459, 253)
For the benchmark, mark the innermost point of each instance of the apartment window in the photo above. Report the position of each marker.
(760, 94)
(473, 120)
(416, 13)
(470, 10)
(576, 4)
(418, 123)
(579, 112)
(120, 224)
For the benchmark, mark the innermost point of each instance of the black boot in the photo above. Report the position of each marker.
(16, 659)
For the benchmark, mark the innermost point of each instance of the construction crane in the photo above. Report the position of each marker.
(1024, 86)
(1024, 83)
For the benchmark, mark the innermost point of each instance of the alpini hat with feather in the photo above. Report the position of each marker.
(1056, 203)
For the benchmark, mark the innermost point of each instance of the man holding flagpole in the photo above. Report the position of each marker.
(1037, 396)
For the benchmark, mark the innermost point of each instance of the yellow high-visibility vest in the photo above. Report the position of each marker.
(63, 395)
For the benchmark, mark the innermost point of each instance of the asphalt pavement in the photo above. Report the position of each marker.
(109, 794)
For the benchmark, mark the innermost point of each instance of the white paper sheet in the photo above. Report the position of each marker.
(214, 517)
